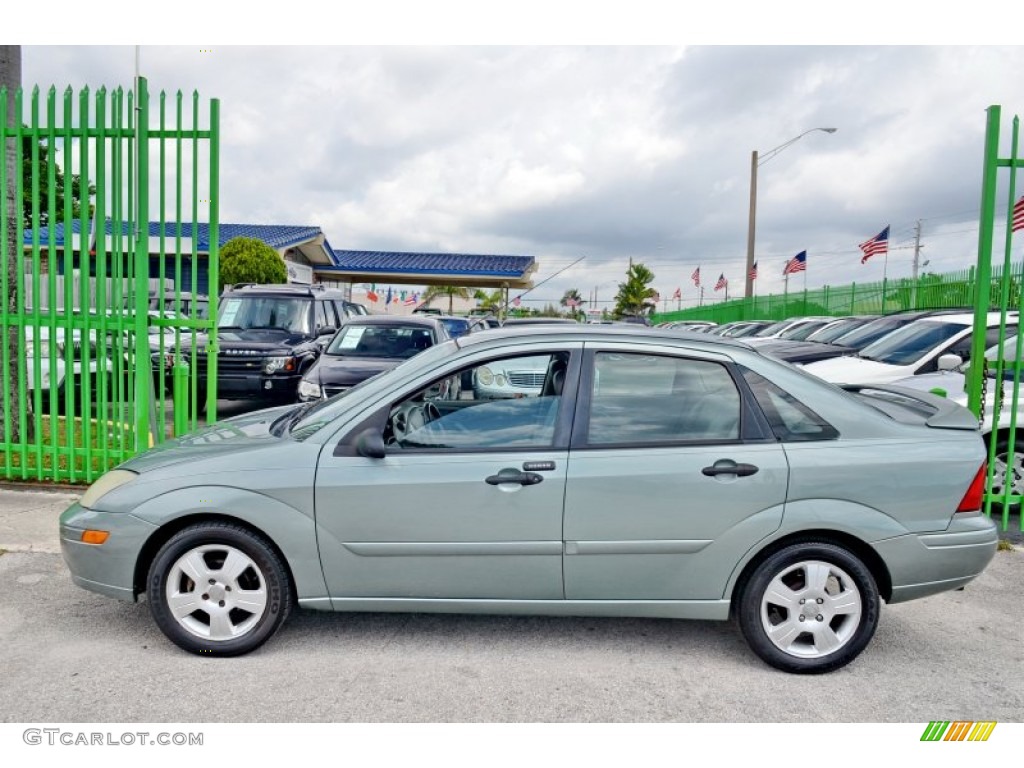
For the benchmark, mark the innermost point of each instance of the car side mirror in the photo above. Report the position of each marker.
(370, 444)
(327, 330)
(950, 362)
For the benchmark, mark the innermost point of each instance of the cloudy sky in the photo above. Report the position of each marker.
(604, 153)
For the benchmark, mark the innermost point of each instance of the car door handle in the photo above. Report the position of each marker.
(743, 470)
(522, 478)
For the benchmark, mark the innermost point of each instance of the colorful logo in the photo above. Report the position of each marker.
(944, 730)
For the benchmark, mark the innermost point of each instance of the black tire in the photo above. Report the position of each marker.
(844, 595)
(230, 617)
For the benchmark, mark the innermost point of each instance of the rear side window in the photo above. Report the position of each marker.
(644, 399)
(790, 419)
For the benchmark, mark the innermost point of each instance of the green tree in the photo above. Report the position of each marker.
(60, 187)
(248, 260)
(492, 301)
(573, 301)
(635, 296)
(451, 291)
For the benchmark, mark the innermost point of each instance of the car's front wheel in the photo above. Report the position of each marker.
(218, 589)
(810, 607)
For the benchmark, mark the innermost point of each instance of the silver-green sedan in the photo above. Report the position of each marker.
(653, 474)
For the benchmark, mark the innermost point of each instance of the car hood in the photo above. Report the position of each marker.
(802, 351)
(855, 370)
(349, 371)
(256, 339)
(250, 431)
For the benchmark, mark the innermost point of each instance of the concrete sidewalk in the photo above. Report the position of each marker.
(28, 518)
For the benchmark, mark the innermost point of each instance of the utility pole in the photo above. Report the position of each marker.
(917, 261)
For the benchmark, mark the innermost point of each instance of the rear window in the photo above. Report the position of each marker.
(790, 420)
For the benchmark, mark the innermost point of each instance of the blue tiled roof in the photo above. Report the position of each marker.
(274, 235)
(431, 263)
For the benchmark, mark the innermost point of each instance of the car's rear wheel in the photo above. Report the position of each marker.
(218, 589)
(1006, 472)
(810, 607)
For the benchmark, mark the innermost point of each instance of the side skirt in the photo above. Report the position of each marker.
(712, 610)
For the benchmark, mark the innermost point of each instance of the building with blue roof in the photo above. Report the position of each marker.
(305, 250)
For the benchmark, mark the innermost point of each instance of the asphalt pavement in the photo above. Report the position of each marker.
(72, 656)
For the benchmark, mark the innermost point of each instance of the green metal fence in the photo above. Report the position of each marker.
(993, 387)
(89, 355)
(929, 291)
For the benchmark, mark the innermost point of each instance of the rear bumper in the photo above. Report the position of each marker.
(926, 564)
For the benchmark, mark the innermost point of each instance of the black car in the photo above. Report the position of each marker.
(267, 338)
(850, 343)
(366, 346)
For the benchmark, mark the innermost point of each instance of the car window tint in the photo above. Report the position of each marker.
(790, 419)
(640, 399)
(506, 403)
(321, 315)
(910, 343)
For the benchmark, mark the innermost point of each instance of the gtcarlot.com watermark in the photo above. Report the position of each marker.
(53, 737)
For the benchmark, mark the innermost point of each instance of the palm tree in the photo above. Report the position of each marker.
(493, 301)
(451, 291)
(635, 296)
(10, 78)
(572, 299)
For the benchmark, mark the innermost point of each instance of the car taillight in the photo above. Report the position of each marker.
(975, 495)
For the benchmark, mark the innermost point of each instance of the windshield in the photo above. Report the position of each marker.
(773, 328)
(910, 343)
(323, 412)
(802, 331)
(377, 341)
(829, 333)
(867, 334)
(280, 312)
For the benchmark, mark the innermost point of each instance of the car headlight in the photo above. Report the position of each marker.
(499, 380)
(115, 478)
(275, 364)
(309, 388)
(484, 376)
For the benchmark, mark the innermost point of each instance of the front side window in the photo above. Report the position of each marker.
(448, 416)
(266, 313)
(644, 399)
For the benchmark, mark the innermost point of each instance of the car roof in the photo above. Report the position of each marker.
(597, 332)
(426, 321)
(286, 289)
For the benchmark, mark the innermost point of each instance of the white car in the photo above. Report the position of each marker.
(54, 376)
(912, 350)
(795, 328)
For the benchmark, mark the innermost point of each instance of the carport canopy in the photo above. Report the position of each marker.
(465, 269)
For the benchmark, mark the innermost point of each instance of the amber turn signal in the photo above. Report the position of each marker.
(95, 537)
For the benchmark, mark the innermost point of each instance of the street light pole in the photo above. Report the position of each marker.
(755, 161)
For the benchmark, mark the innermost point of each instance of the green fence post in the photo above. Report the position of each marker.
(144, 377)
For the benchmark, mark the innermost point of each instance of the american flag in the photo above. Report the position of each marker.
(722, 282)
(678, 294)
(797, 264)
(877, 244)
(571, 303)
(515, 302)
(1018, 215)
(411, 299)
(752, 274)
(696, 277)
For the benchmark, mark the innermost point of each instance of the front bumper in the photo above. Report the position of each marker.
(926, 564)
(107, 568)
(257, 386)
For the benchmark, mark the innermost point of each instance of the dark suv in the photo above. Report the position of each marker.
(267, 338)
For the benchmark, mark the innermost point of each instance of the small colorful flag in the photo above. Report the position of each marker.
(877, 244)
(678, 294)
(411, 299)
(752, 274)
(797, 264)
(722, 282)
(696, 277)
(515, 302)
(388, 299)
(1018, 215)
(372, 295)
(571, 303)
